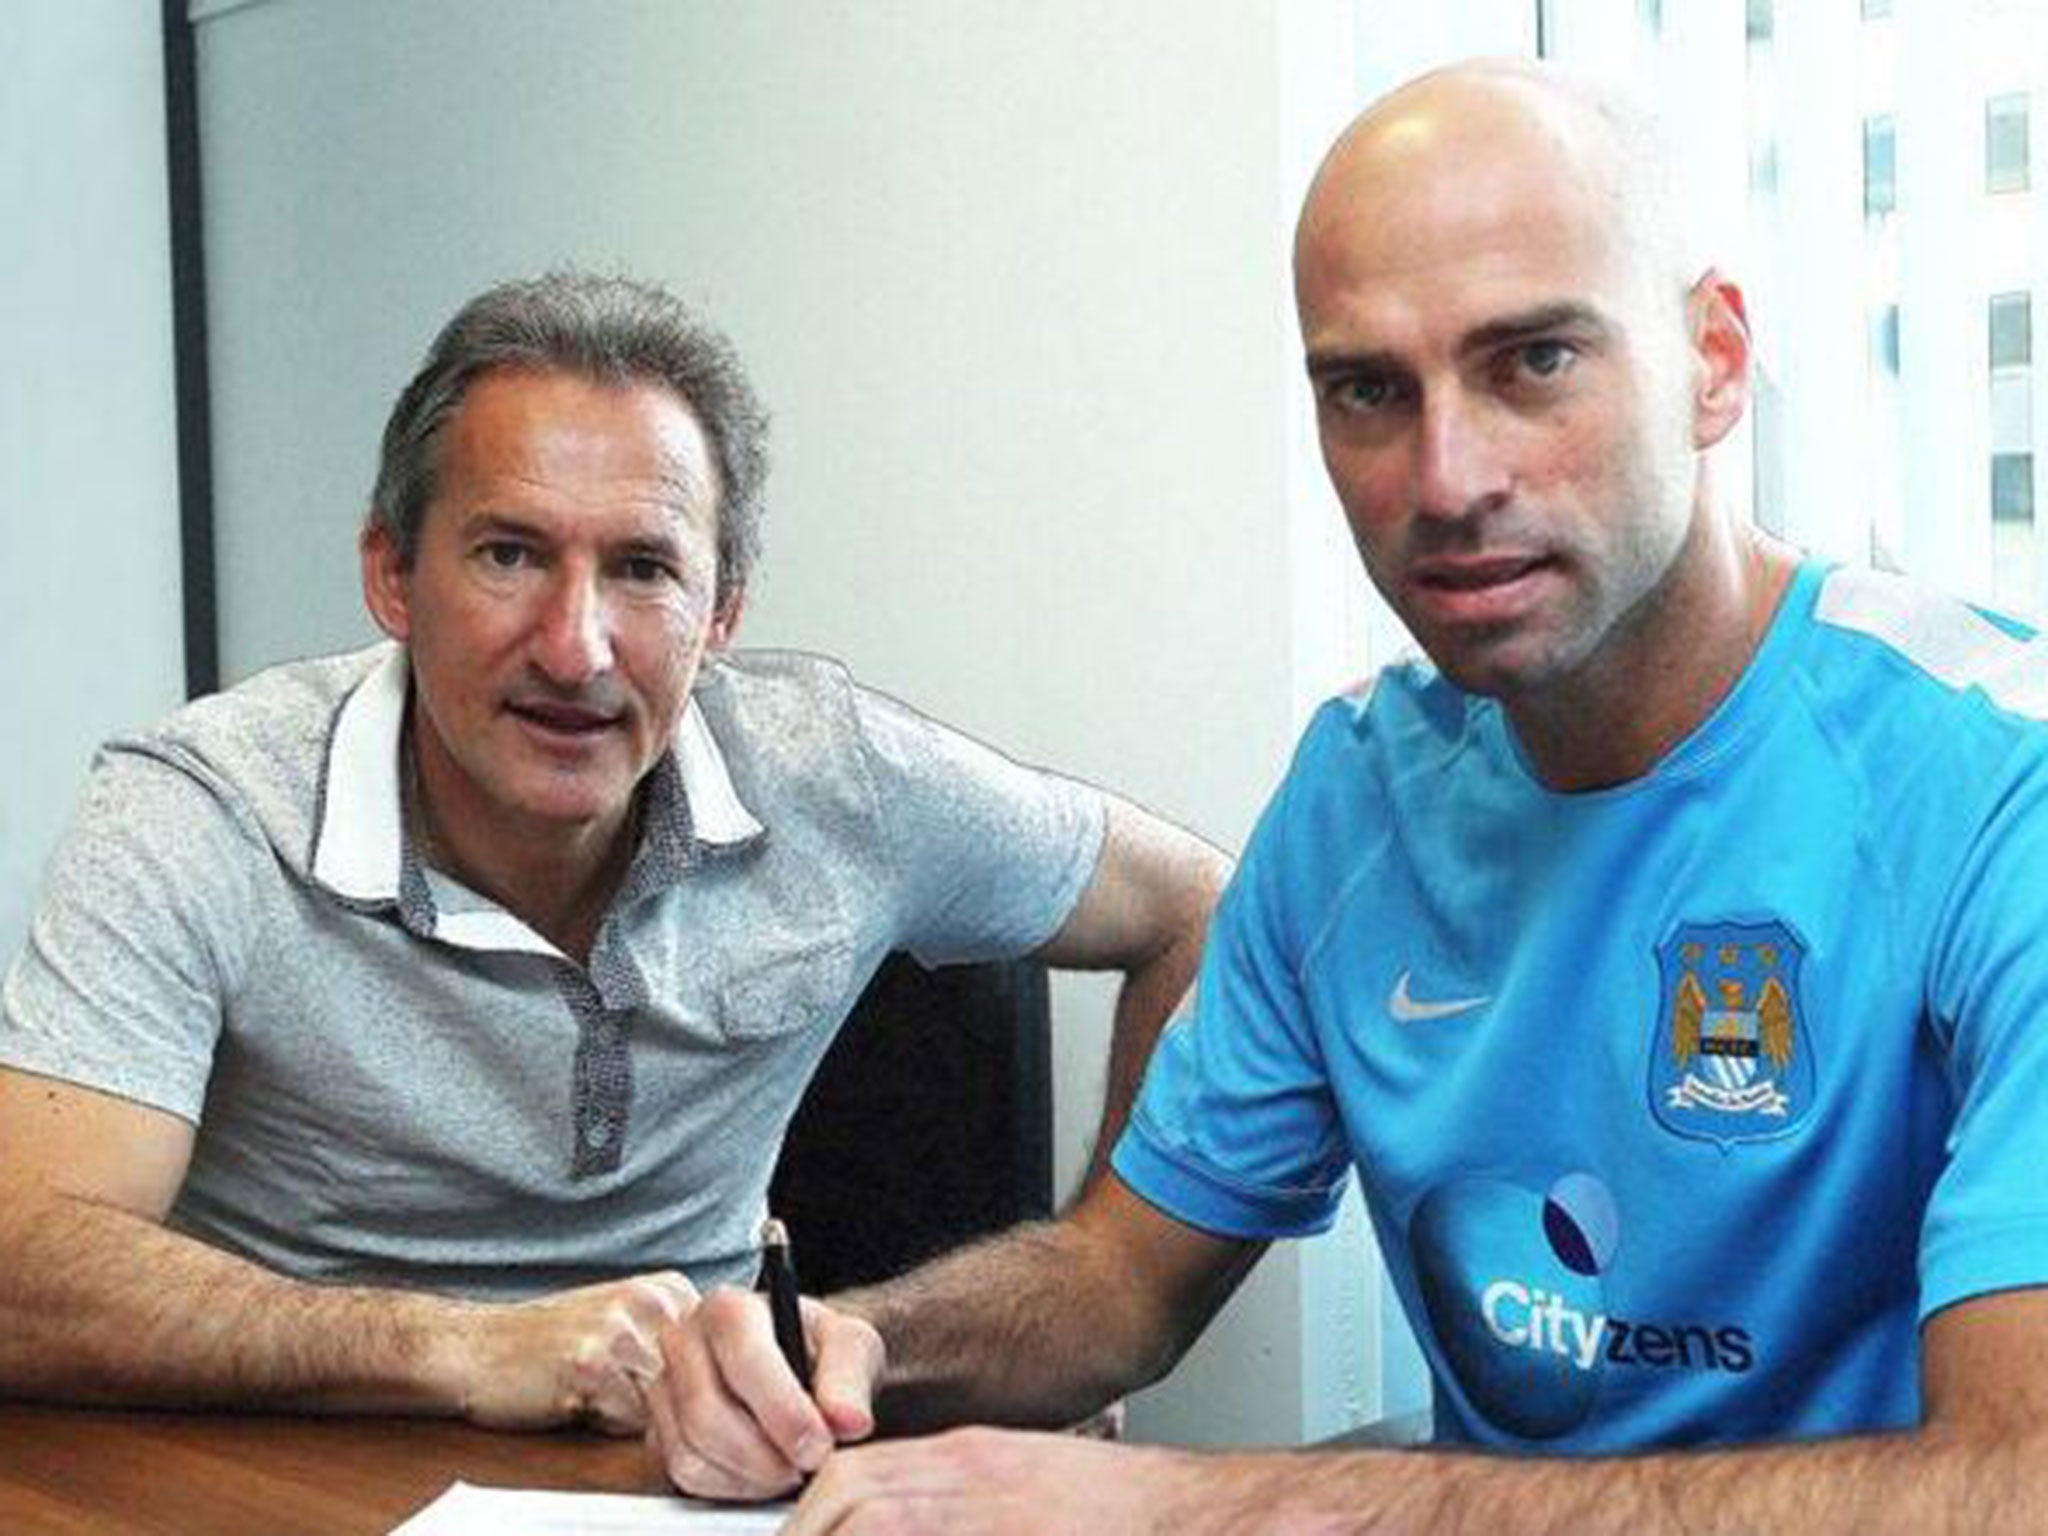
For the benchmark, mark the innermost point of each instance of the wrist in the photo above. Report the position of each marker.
(452, 1345)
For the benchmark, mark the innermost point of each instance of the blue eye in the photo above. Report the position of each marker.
(1362, 393)
(1546, 359)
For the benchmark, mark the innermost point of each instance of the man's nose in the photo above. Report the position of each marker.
(1460, 465)
(572, 641)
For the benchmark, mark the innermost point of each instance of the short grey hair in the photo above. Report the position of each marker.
(610, 330)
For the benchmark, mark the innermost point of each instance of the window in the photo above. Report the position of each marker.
(2005, 143)
(2012, 330)
(2012, 488)
(1879, 177)
(1896, 415)
(1884, 340)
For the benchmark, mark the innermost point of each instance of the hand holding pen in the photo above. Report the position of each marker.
(752, 1397)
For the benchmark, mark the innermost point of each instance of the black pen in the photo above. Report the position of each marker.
(778, 1278)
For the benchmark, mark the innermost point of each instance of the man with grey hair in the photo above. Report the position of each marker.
(1664, 956)
(414, 1030)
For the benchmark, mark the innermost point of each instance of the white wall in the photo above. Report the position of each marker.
(1013, 280)
(91, 637)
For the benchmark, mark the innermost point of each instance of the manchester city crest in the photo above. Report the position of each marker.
(1733, 1058)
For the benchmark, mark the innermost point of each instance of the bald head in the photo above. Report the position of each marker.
(1494, 136)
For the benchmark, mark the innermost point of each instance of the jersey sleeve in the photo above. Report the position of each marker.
(141, 926)
(1987, 1221)
(1236, 1130)
(989, 855)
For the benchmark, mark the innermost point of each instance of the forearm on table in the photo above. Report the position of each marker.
(100, 1305)
(1925, 1483)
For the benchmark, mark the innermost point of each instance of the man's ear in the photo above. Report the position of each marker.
(725, 619)
(384, 591)
(1717, 320)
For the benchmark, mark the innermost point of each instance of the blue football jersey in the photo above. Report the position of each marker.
(1677, 1105)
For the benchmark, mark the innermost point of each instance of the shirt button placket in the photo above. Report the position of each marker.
(603, 1088)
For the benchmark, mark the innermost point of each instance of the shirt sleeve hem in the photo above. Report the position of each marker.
(1092, 832)
(1081, 868)
(2011, 1256)
(1198, 1198)
(114, 1084)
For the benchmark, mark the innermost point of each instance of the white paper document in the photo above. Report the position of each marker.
(468, 1510)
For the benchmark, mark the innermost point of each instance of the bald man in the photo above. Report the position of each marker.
(1663, 955)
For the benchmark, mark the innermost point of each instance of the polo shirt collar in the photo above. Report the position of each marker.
(718, 817)
(359, 832)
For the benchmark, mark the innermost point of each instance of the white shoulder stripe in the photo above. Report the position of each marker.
(1945, 638)
(1358, 697)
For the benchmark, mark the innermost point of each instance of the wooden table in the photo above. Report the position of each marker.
(68, 1472)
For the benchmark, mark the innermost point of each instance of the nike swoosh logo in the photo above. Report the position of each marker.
(1407, 1009)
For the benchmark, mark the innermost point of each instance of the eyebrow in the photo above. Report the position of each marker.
(483, 522)
(490, 524)
(650, 544)
(1568, 315)
(1546, 319)
(1324, 364)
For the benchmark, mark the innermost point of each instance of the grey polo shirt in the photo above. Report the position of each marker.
(396, 1081)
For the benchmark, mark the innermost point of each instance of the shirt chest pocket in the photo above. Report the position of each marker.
(788, 990)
